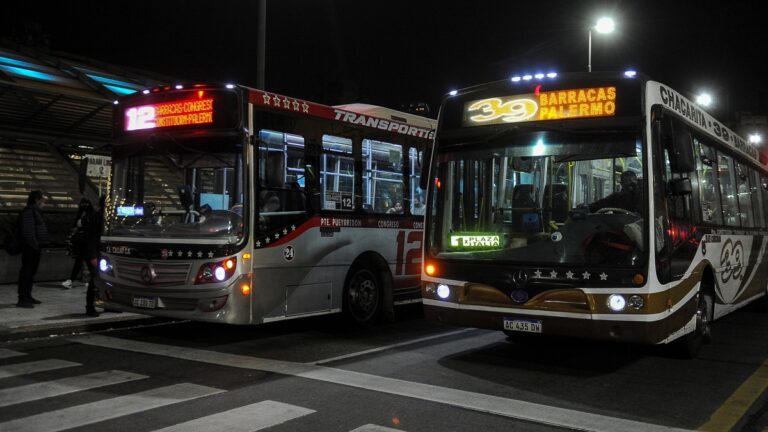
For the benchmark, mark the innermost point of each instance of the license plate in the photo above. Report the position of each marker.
(521, 325)
(145, 302)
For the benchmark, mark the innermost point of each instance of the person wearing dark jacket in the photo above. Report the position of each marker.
(34, 235)
(91, 255)
(85, 217)
(628, 198)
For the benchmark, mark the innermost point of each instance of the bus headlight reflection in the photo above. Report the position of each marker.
(617, 302)
(443, 291)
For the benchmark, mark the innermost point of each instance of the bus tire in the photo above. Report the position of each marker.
(362, 295)
(689, 345)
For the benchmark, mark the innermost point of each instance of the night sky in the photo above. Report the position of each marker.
(397, 51)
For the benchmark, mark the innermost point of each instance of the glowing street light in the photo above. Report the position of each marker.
(755, 138)
(704, 99)
(604, 25)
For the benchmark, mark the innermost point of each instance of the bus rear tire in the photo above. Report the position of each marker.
(689, 345)
(362, 295)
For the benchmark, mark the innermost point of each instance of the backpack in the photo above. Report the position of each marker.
(14, 242)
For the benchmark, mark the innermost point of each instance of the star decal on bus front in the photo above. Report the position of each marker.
(586, 275)
(266, 97)
(553, 274)
(199, 254)
(293, 227)
(258, 243)
(295, 105)
(277, 236)
(603, 276)
(305, 107)
(210, 254)
(569, 274)
(537, 273)
(285, 231)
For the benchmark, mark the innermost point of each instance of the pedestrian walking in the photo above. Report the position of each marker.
(85, 217)
(91, 255)
(34, 237)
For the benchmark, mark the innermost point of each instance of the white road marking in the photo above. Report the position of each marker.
(42, 390)
(81, 415)
(375, 428)
(247, 418)
(549, 415)
(11, 370)
(388, 347)
(6, 353)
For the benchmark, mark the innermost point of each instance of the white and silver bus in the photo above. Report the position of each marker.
(236, 205)
(530, 230)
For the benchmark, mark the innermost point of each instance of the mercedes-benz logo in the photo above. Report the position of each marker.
(148, 274)
(520, 278)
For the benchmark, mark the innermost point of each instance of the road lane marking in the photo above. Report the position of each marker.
(17, 369)
(42, 390)
(528, 411)
(6, 353)
(249, 418)
(388, 347)
(736, 406)
(375, 428)
(81, 415)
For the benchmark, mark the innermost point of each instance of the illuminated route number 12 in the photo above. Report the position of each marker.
(411, 263)
(142, 117)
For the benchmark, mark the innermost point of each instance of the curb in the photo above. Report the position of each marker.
(68, 329)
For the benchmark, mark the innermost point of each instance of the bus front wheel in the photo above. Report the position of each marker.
(690, 344)
(362, 295)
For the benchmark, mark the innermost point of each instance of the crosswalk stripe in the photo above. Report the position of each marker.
(247, 418)
(375, 428)
(6, 353)
(42, 390)
(16, 369)
(529, 411)
(94, 412)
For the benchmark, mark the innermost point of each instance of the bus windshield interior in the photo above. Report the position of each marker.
(181, 193)
(541, 197)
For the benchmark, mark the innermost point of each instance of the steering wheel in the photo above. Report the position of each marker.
(605, 210)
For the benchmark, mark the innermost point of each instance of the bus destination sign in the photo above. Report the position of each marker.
(196, 111)
(538, 106)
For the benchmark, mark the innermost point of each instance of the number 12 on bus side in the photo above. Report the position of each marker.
(522, 325)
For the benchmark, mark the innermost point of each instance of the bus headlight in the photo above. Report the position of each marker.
(636, 302)
(617, 302)
(443, 291)
(105, 266)
(216, 271)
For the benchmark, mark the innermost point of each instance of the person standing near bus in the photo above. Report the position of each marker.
(91, 255)
(85, 216)
(34, 237)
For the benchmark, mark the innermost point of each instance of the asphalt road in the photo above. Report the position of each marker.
(320, 375)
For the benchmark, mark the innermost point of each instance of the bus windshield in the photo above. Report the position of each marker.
(538, 197)
(178, 192)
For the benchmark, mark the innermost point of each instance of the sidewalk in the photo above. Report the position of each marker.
(62, 312)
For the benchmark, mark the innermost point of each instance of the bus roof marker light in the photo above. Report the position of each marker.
(230, 86)
(704, 99)
(527, 77)
(755, 138)
(115, 102)
(539, 76)
(145, 91)
(516, 79)
(630, 73)
(179, 86)
(453, 92)
(552, 75)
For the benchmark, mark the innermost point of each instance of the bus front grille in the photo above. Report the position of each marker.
(152, 273)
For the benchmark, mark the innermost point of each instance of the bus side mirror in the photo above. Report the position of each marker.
(423, 169)
(680, 186)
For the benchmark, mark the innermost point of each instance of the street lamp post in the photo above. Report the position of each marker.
(604, 25)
